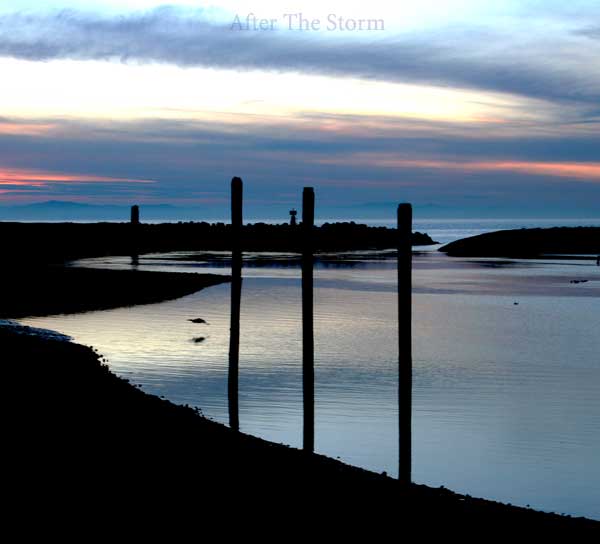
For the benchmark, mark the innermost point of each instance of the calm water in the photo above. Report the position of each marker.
(506, 402)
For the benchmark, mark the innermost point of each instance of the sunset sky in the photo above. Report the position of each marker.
(463, 107)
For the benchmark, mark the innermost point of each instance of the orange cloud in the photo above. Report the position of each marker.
(580, 171)
(25, 129)
(585, 171)
(35, 178)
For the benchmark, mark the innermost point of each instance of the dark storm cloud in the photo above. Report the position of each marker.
(548, 68)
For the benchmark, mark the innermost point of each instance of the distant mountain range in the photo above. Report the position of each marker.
(56, 210)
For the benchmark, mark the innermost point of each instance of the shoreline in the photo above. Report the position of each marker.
(89, 410)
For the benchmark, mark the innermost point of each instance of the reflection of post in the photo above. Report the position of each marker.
(405, 341)
(236, 295)
(308, 341)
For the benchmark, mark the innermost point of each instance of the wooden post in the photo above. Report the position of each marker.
(135, 235)
(405, 341)
(236, 295)
(135, 215)
(308, 341)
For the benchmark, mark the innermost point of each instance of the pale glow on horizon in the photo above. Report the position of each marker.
(95, 89)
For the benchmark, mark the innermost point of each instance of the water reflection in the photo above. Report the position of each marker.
(308, 333)
(234, 342)
(506, 401)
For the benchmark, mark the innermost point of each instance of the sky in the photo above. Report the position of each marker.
(462, 107)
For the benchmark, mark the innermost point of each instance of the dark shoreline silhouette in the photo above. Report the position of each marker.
(529, 243)
(81, 429)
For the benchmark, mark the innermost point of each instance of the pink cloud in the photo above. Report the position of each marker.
(14, 177)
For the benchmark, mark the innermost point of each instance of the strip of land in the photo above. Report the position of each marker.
(529, 243)
(59, 242)
(36, 290)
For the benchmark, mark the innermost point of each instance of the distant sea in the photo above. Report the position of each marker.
(448, 230)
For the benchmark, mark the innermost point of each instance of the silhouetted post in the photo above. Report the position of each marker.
(135, 215)
(308, 340)
(405, 341)
(135, 234)
(236, 296)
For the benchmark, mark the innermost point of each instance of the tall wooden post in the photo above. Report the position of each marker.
(236, 296)
(308, 341)
(405, 341)
(135, 235)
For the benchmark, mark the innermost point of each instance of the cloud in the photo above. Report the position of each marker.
(552, 67)
(390, 161)
(16, 177)
(550, 169)
(592, 32)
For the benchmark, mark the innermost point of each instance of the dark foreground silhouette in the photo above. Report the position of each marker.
(77, 428)
(529, 243)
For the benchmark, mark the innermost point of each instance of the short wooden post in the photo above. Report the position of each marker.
(236, 296)
(308, 341)
(405, 341)
(135, 215)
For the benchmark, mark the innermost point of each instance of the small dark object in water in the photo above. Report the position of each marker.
(197, 320)
(198, 339)
(516, 303)
(579, 281)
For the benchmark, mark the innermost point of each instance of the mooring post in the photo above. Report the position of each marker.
(236, 295)
(135, 235)
(405, 341)
(135, 215)
(308, 341)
